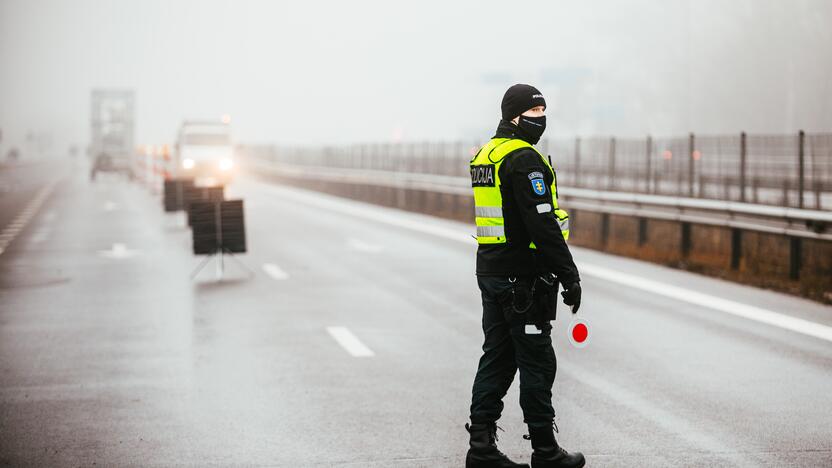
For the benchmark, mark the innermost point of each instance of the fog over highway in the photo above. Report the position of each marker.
(368, 70)
(243, 233)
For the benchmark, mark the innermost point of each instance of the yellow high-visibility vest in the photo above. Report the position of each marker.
(488, 201)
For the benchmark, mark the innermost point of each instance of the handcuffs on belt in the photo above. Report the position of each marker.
(543, 294)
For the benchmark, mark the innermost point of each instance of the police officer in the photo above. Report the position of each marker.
(522, 256)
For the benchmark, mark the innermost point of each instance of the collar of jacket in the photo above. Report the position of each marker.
(506, 129)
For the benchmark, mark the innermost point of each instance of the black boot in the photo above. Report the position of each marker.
(483, 452)
(548, 454)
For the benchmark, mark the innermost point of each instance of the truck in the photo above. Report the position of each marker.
(204, 152)
(112, 127)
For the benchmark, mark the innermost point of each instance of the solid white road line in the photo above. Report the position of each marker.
(275, 271)
(757, 314)
(727, 306)
(350, 342)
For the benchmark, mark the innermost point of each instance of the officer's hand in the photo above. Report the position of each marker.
(572, 296)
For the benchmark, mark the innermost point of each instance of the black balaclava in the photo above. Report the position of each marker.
(518, 99)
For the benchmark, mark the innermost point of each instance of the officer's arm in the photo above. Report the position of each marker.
(538, 214)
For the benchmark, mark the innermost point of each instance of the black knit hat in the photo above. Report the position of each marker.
(520, 98)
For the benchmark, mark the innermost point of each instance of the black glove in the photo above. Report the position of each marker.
(572, 296)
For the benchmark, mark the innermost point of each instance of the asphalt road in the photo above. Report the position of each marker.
(355, 343)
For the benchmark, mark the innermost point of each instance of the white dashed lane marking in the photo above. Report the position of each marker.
(39, 236)
(118, 251)
(361, 246)
(275, 271)
(350, 342)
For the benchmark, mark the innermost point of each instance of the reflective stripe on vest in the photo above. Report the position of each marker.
(491, 231)
(488, 211)
(488, 201)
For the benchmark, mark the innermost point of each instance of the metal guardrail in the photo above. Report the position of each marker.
(792, 222)
(789, 170)
(795, 222)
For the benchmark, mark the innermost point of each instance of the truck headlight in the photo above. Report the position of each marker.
(188, 163)
(226, 164)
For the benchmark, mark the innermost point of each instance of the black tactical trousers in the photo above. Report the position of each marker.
(512, 343)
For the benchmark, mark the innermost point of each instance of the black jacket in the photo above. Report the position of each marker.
(523, 223)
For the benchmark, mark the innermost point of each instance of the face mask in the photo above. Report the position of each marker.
(533, 127)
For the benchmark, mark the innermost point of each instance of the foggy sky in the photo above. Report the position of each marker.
(317, 72)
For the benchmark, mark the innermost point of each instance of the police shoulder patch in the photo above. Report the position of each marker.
(535, 175)
(538, 186)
